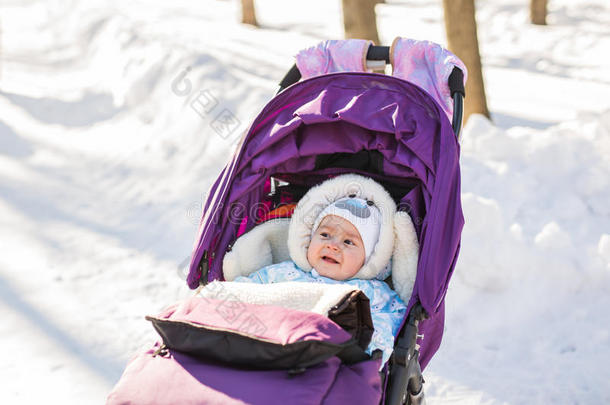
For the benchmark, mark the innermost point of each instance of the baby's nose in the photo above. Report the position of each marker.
(333, 244)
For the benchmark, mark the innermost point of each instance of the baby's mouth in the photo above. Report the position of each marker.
(329, 260)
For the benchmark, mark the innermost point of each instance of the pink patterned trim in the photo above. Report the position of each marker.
(428, 65)
(346, 55)
(423, 63)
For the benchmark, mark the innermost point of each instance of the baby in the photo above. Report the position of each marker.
(344, 236)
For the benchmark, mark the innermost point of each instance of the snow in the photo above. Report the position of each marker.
(107, 148)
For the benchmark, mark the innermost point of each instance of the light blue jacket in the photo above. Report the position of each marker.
(387, 309)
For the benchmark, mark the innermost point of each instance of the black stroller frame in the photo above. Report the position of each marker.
(405, 380)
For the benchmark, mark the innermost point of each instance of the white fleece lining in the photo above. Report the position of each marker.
(405, 257)
(312, 297)
(263, 245)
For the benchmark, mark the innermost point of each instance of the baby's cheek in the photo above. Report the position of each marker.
(311, 256)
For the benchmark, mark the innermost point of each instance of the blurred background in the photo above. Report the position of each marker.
(109, 142)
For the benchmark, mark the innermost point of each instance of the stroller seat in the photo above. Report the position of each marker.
(393, 129)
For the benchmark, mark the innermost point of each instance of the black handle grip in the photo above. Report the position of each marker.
(376, 52)
(456, 82)
(291, 78)
(456, 86)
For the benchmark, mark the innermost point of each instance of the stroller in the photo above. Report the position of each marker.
(341, 118)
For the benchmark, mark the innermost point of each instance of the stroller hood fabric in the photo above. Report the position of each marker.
(348, 113)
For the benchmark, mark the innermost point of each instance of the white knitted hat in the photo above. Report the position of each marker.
(363, 214)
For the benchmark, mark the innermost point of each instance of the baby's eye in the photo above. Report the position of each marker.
(348, 242)
(324, 234)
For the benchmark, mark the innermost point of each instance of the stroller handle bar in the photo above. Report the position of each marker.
(382, 53)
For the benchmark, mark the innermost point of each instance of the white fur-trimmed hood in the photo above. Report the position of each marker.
(266, 244)
(322, 195)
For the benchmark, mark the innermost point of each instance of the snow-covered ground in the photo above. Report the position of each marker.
(106, 153)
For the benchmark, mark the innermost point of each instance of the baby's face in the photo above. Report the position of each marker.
(336, 250)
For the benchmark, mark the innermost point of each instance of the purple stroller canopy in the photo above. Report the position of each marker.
(349, 112)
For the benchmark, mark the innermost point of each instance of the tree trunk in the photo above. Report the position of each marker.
(359, 19)
(248, 16)
(538, 11)
(461, 27)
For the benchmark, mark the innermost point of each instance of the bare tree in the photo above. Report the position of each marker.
(248, 16)
(538, 11)
(461, 27)
(359, 19)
